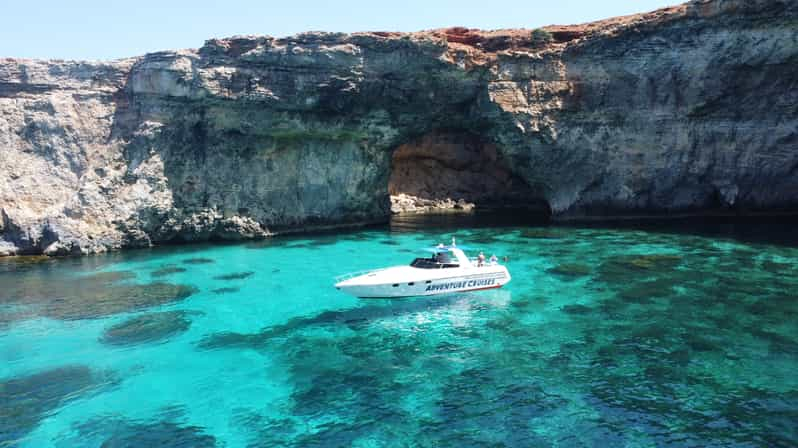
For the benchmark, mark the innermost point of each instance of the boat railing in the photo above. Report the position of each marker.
(475, 262)
(348, 275)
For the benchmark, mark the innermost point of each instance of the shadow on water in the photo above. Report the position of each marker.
(777, 230)
(354, 318)
(408, 223)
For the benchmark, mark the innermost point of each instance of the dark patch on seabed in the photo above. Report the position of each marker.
(26, 263)
(136, 434)
(571, 270)
(577, 309)
(632, 338)
(368, 387)
(355, 318)
(25, 400)
(147, 328)
(642, 352)
(83, 297)
(501, 218)
(366, 390)
(167, 270)
(234, 276)
(198, 261)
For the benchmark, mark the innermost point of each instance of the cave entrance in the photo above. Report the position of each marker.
(456, 170)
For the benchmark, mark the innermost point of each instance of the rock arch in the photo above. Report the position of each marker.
(456, 169)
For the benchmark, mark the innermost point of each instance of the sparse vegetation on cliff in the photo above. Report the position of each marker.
(541, 37)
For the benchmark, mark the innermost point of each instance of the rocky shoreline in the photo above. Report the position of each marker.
(681, 111)
(404, 203)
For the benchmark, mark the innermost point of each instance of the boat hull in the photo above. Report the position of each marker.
(425, 283)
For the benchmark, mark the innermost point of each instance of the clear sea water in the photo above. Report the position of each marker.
(607, 336)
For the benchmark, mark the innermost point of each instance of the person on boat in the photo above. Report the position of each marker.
(443, 258)
(494, 259)
(481, 259)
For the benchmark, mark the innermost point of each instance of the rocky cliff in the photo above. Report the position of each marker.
(689, 109)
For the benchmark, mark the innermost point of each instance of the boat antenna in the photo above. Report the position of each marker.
(454, 243)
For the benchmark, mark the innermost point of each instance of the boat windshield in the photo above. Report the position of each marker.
(432, 263)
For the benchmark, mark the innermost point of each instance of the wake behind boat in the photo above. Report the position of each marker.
(448, 270)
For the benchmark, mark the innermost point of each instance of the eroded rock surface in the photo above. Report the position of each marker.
(688, 109)
(454, 171)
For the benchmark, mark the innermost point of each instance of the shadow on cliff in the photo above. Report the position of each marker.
(227, 167)
(195, 175)
(453, 164)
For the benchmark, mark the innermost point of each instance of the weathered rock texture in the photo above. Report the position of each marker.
(451, 172)
(688, 109)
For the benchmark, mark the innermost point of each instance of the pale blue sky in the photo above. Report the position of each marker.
(107, 29)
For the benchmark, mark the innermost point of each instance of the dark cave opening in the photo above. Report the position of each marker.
(457, 170)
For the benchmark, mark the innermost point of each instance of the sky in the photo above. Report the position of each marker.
(110, 29)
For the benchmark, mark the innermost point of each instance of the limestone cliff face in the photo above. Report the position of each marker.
(688, 109)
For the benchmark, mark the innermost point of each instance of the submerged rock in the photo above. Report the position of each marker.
(23, 263)
(544, 233)
(627, 268)
(644, 292)
(199, 260)
(570, 270)
(157, 434)
(152, 327)
(503, 322)
(89, 296)
(696, 342)
(105, 278)
(167, 270)
(653, 261)
(24, 401)
(234, 276)
(776, 267)
(100, 302)
(577, 309)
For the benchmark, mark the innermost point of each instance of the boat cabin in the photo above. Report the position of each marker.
(443, 257)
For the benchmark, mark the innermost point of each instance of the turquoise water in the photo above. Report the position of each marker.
(604, 337)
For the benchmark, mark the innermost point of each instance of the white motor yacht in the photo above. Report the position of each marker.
(448, 270)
